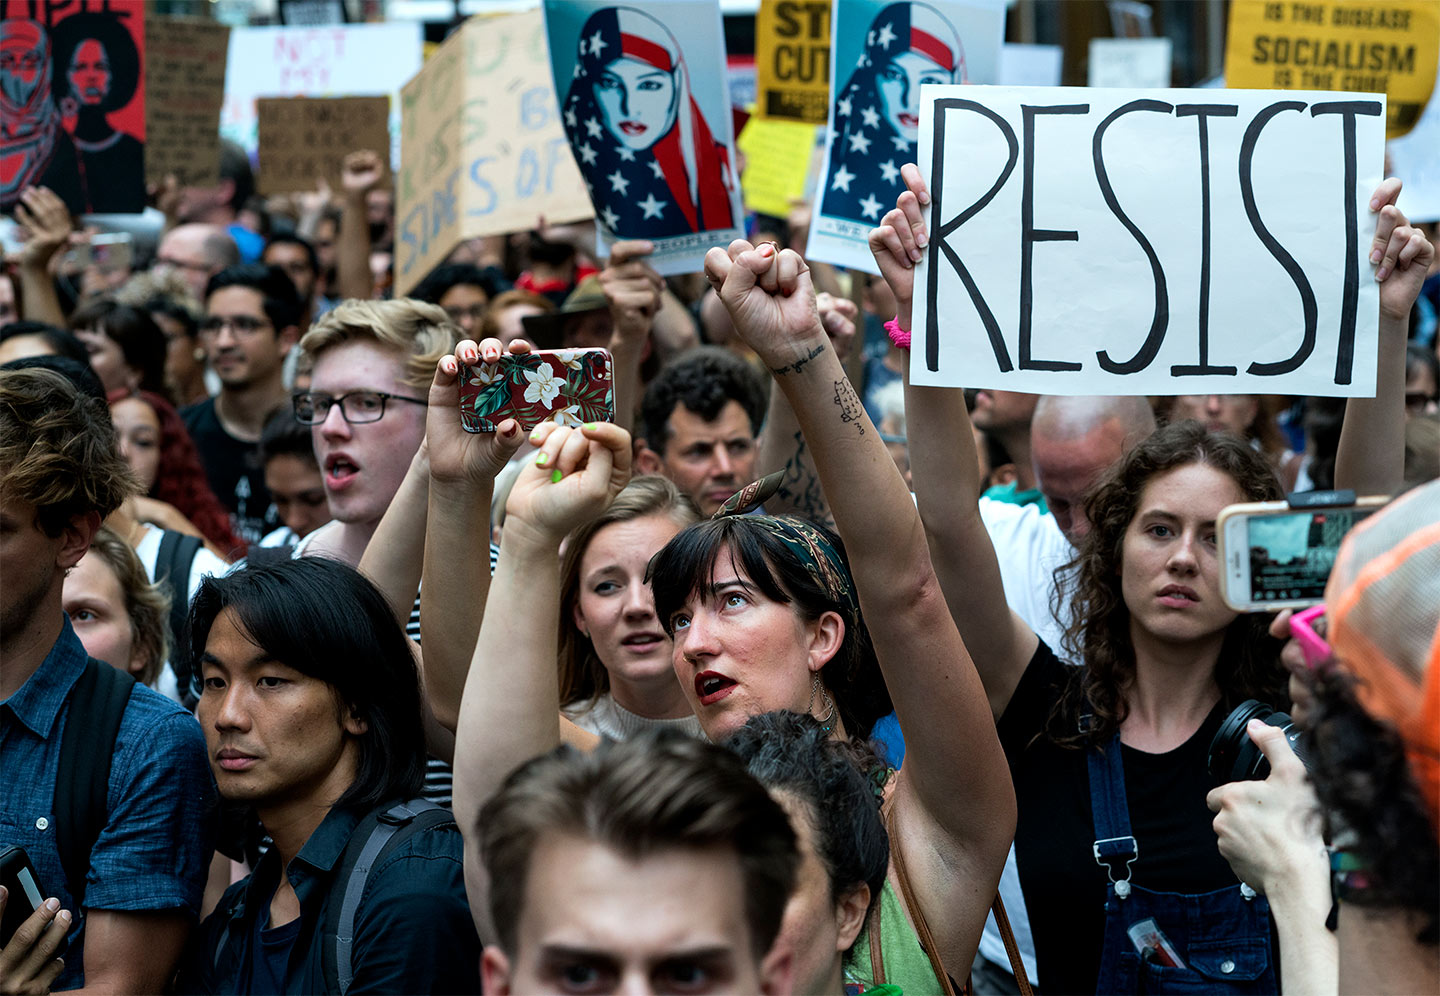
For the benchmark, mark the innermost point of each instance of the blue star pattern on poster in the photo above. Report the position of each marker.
(876, 115)
(648, 156)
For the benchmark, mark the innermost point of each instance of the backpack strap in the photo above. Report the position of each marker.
(372, 839)
(81, 804)
(172, 571)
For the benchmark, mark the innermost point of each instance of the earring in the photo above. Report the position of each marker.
(199, 354)
(827, 721)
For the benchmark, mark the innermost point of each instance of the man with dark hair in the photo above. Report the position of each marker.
(698, 423)
(125, 867)
(292, 475)
(297, 258)
(463, 290)
(24, 338)
(312, 714)
(251, 322)
(655, 864)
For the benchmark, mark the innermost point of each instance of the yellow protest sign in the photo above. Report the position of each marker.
(778, 155)
(792, 60)
(1375, 46)
(482, 149)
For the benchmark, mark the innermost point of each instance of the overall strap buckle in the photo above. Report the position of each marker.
(1109, 851)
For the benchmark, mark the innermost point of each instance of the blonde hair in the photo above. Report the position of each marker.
(147, 605)
(420, 331)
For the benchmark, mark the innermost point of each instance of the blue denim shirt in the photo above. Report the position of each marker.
(155, 850)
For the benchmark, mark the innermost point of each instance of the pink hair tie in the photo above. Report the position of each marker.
(899, 336)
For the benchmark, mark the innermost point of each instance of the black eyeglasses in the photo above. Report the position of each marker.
(357, 407)
(241, 325)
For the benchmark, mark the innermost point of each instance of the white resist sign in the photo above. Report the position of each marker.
(1149, 241)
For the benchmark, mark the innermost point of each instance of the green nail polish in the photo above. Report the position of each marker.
(542, 459)
(555, 476)
(590, 426)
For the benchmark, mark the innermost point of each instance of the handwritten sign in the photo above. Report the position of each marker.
(1129, 62)
(884, 54)
(482, 149)
(645, 102)
(351, 60)
(778, 155)
(1211, 242)
(303, 139)
(792, 60)
(185, 83)
(1375, 46)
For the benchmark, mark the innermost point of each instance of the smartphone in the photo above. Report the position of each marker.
(569, 386)
(113, 250)
(22, 889)
(1276, 556)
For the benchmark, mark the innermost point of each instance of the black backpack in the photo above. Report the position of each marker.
(373, 837)
(172, 572)
(81, 807)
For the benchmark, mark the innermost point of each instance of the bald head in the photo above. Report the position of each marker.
(1073, 441)
(197, 252)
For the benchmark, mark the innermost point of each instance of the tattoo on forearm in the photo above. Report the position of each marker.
(800, 488)
(850, 408)
(799, 364)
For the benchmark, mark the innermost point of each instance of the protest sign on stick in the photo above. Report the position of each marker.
(792, 60)
(1375, 46)
(1145, 242)
(304, 139)
(483, 151)
(185, 87)
(646, 106)
(883, 54)
(74, 103)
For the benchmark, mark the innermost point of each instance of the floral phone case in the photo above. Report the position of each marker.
(569, 386)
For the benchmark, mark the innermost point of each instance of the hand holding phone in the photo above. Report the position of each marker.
(569, 386)
(31, 931)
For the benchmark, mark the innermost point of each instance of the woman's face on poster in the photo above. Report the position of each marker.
(899, 85)
(89, 73)
(637, 102)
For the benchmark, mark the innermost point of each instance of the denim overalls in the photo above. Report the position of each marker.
(1222, 937)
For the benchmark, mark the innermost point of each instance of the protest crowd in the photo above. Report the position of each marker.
(352, 640)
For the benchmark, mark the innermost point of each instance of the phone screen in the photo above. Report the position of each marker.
(1291, 554)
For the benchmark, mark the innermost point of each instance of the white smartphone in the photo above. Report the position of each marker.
(1275, 555)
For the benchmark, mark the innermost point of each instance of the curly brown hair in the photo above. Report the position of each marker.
(58, 449)
(1099, 629)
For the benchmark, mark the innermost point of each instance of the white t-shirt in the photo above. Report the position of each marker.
(204, 565)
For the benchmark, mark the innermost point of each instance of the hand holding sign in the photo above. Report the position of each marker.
(633, 289)
(899, 242)
(1400, 253)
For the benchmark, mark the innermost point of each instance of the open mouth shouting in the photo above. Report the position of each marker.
(340, 472)
(712, 686)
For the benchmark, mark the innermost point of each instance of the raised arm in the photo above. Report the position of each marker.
(46, 221)
(510, 709)
(360, 173)
(633, 289)
(946, 475)
(395, 553)
(1371, 456)
(954, 805)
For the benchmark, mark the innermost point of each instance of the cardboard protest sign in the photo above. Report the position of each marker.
(792, 60)
(1414, 159)
(303, 139)
(350, 60)
(646, 106)
(1145, 242)
(1375, 46)
(184, 87)
(778, 155)
(72, 96)
(482, 147)
(884, 53)
(1129, 62)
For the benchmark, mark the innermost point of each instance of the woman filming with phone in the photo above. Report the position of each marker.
(1126, 888)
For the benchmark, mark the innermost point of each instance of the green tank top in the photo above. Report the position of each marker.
(907, 967)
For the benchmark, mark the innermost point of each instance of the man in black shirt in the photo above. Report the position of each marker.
(251, 317)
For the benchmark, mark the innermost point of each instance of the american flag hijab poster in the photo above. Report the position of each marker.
(882, 53)
(644, 100)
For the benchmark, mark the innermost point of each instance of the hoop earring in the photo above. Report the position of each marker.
(827, 721)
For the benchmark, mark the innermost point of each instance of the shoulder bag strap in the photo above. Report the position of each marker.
(877, 955)
(917, 916)
(1017, 964)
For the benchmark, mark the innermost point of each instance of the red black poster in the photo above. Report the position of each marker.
(72, 102)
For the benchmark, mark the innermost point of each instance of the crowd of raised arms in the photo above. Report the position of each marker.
(794, 677)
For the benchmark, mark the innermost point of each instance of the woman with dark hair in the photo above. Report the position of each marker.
(766, 615)
(154, 442)
(126, 347)
(1114, 839)
(100, 64)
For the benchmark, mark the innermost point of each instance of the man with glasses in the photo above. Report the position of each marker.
(250, 324)
(373, 364)
(196, 252)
